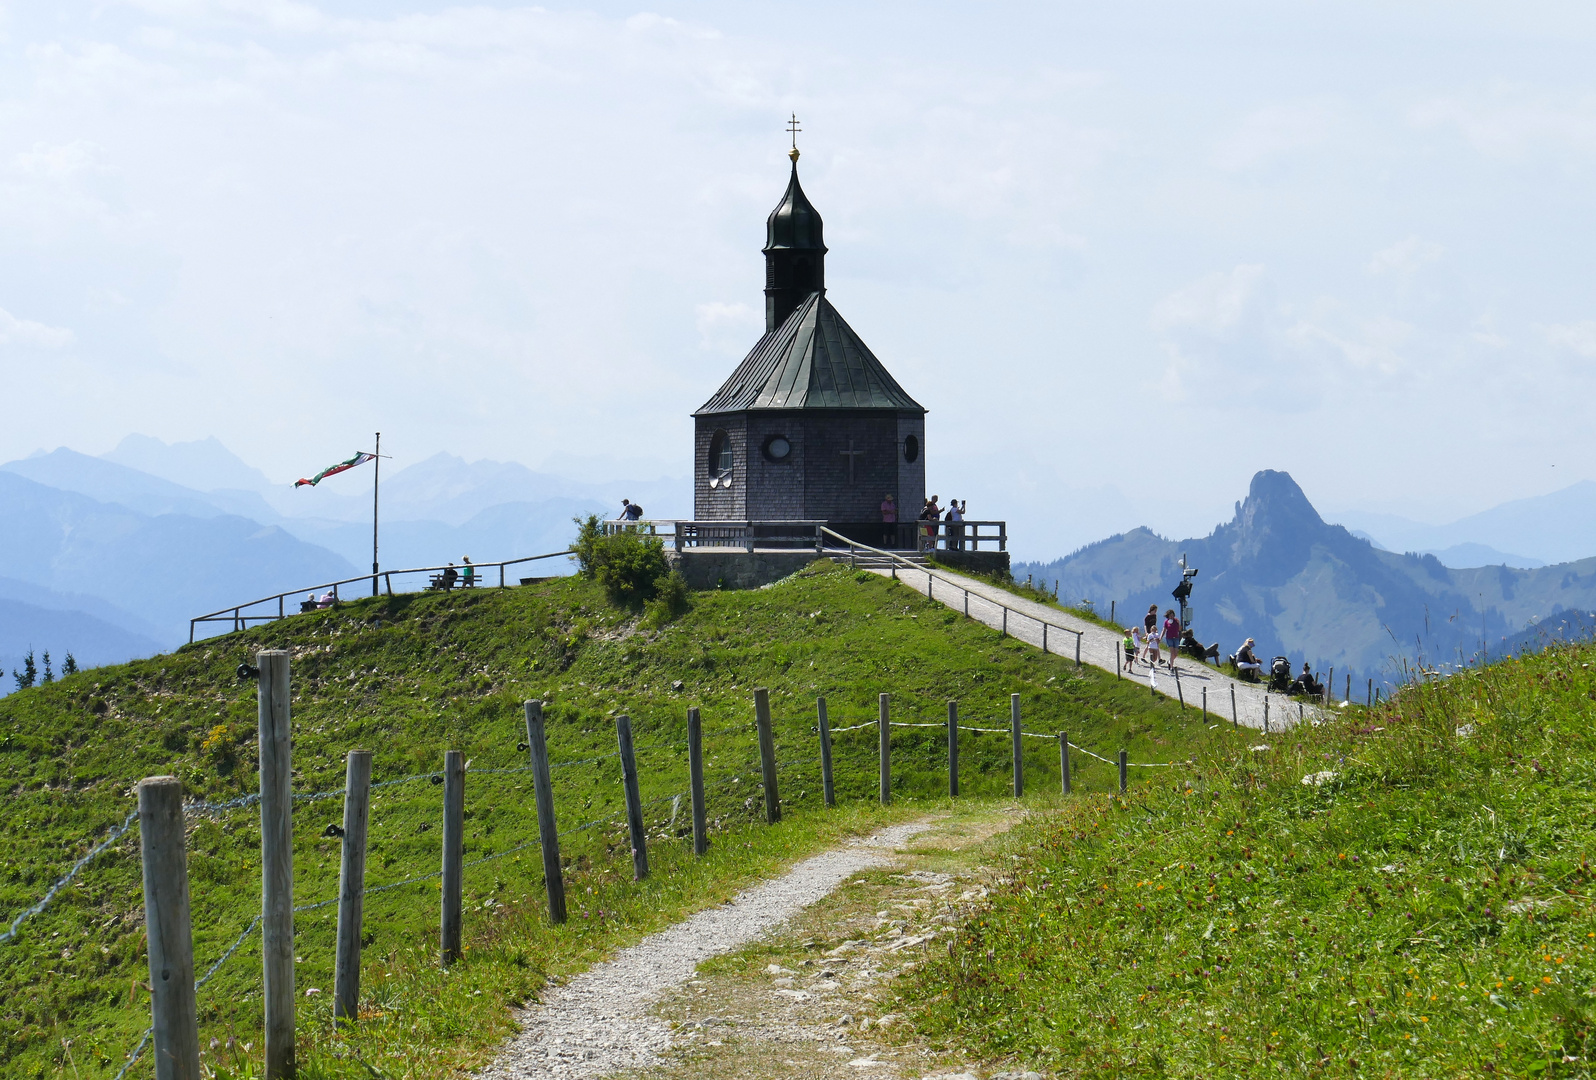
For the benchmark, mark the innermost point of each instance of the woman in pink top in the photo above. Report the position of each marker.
(1172, 636)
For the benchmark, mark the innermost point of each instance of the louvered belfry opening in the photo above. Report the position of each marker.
(811, 425)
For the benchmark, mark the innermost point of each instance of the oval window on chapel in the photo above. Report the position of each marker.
(911, 448)
(778, 448)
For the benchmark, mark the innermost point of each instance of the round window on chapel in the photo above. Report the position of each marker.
(911, 448)
(778, 448)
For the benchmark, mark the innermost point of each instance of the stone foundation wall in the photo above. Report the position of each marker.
(737, 569)
(976, 562)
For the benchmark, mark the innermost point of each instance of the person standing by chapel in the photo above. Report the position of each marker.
(955, 520)
(889, 519)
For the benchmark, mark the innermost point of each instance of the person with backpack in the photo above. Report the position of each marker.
(630, 511)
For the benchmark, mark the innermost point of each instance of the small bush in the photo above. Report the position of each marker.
(627, 565)
(670, 600)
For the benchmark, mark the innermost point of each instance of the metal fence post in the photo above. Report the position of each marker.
(767, 754)
(1064, 761)
(174, 1024)
(953, 748)
(453, 855)
(1124, 769)
(1077, 650)
(352, 885)
(1235, 717)
(828, 789)
(1014, 733)
(884, 729)
(634, 801)
(1205, 704)
(537, 745)
(1179, 693)
(695, 779)
(277, 862)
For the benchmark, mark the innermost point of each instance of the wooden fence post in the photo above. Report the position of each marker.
(1064, 762)
(174, 1024)
(1369, 704)
(1124, 769)
(1014, 734)
(695, 771)
(1235, 717)
(352, 885)
(277, 863)
(1181, 694)
(1329, 686)
(953, 748)
(884, 730)
(1118, 647)
(1005, 622)
(634, 801)
(1111, 617)
(453, 855)
(1266, 713)
(537, 747)
(1348, 696)
(767, 754)
(827, 788)
(1044, 639)
(1205, 704)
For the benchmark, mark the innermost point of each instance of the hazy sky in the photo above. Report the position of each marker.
(1127, 254)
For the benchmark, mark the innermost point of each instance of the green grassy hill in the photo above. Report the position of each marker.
(1404, 893)
(410, 677)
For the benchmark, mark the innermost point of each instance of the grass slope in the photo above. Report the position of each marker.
(1404, 893)
(412, 676)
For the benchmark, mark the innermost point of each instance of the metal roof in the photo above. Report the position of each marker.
(813, 360)
(795, 223)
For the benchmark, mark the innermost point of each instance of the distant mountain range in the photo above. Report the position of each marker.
(109, 557)
(1554, 528)
(1313, 591)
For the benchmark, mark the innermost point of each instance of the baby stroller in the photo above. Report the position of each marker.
(1280, 674)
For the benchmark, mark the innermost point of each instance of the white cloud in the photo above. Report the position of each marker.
(1275, 132)
(29, 334)
(1213, 304)
(1577, 337)
(1404, 257)
(1511, 120)
(60, 162)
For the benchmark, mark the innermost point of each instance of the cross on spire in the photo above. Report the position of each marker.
(793, 129)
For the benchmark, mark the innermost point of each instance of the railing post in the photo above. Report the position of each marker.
(1205, 704)
(1078, 648)
(279, 606)
(1118, 648)
(953, 748)
(1003, 536)
(1235, 717)
(1005, 621)
(884, 730)
(277, 862)
(1044, 639)
(388, 580)
(1124, 769)
(1064, 761)
(352, 885)
(767, 754)
(537, 747)
(501, 575)
(966, 603)
(634, 801)
(1014, 734)
(695, 779)
(1179, 693)
(1266, 712)
(174, 1024)
(826, 787)
(453, 855)
(191, 633)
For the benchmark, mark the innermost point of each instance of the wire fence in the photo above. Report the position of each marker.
(742, 771)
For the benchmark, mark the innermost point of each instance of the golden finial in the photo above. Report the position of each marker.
(794, 129)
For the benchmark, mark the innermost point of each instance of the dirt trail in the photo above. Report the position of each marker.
(603, 1021)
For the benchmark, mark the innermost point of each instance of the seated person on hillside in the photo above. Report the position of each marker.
(327, 600)
(308, 603)
(1280, 674)
(1246, 661)
(450, 576)
(1305, 683)
(470, 572)
(1192, 647)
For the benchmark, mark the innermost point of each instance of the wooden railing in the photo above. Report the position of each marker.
(241, 616)
(851, 549)
(748, 535)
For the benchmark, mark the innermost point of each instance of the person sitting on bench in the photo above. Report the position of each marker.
(1246, 661)
(327, 600)
(1192, 647)
(1305, 683)
(470, 573)
(450, 576)
(308, 603)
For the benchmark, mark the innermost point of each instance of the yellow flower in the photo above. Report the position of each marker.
(1424, 1019)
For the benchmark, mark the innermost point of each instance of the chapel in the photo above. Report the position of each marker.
(810, 426)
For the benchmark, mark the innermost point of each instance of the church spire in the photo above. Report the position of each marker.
(795, 253)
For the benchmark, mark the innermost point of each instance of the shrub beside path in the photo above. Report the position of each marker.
(986, 603)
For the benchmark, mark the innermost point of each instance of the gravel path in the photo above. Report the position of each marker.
(602, 1020)
(981, 602)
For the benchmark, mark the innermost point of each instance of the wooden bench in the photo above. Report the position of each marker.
(461, 582)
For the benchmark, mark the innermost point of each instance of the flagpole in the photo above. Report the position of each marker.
(376, 471)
